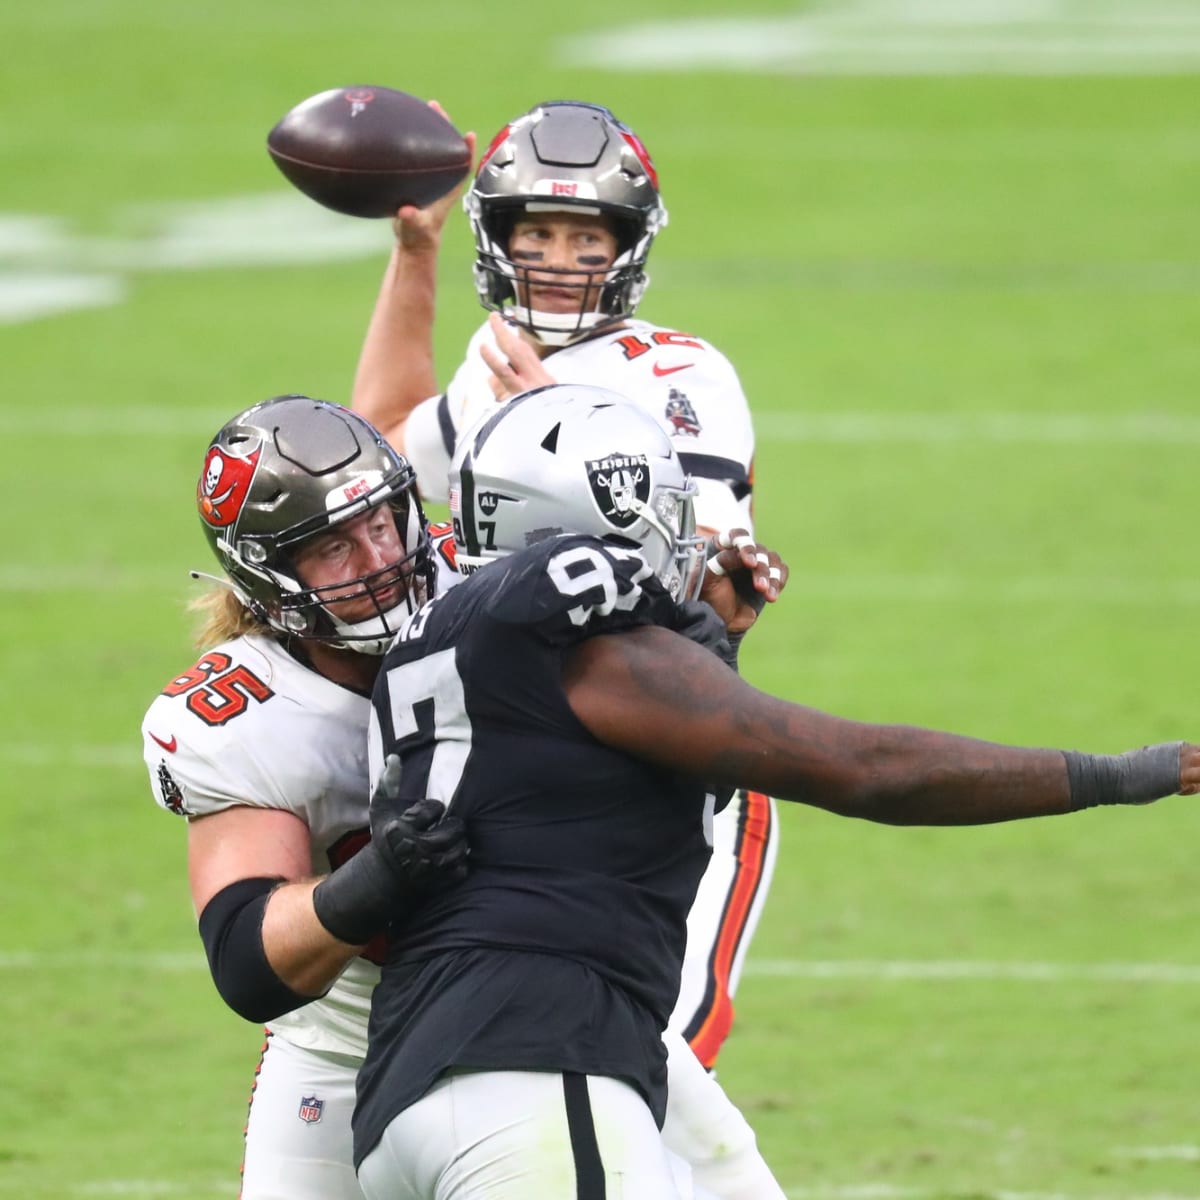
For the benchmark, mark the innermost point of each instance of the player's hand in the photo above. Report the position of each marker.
(740, 577)
(420, 229)
(514, 363)
(1189, 769)
(424, 847)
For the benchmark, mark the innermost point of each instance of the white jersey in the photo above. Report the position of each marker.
(250, 726)
(686, 384)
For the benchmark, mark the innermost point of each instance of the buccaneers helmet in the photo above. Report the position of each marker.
(286, 470)
(569, 458)
(573, 156)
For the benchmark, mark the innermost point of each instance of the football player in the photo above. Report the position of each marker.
(565, 701)
(564, 208)
(261, 746)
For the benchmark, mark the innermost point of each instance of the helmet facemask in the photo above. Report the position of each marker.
(565, 156)
(300, 469)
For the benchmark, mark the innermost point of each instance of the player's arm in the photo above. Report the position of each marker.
(395, 368)
(255, 863)
(276, 937)
(654, 694)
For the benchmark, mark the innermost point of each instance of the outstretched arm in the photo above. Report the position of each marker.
(657, 696)
(396, 369)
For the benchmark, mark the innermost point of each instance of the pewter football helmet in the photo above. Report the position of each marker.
(573, 156)
(291, 468)
(569, 459)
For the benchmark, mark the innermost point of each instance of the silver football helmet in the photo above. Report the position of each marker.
(291, 468)
(568, 458)
(573, 156)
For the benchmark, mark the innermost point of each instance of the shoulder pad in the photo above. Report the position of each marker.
(576, 586)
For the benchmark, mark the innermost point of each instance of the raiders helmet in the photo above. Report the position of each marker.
(286, 470)
(568, 458)
(565, 155)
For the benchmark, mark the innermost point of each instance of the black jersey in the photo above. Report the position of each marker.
(562, 949)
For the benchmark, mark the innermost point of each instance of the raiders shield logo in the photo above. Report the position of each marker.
(620, 485)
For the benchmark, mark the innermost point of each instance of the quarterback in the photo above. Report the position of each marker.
(564, 208)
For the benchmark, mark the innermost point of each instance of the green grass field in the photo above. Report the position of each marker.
(965, 309)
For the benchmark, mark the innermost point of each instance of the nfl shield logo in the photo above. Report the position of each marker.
(620, 486)
(311, 1109)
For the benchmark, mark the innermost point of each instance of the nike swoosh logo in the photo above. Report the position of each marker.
(661, 371)
(169, 747)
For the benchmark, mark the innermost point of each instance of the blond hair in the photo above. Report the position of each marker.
(224, 617)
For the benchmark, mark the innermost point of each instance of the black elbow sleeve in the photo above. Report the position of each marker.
(231, 930)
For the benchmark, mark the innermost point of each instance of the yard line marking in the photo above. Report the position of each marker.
(18, 577)
(148, 1187)
(1160, 1153)
(1163, 430)
(55, 754)
(956, 428)
(158, 420)
(940, 971)
(889, 1191)
(912, 37)
(29, 295)
(33, 960)
(812, 969)
(1111, 592)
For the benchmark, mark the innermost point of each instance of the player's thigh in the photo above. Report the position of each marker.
(298, 1141)
(723, 919)
(709, 1133)
(521, 1135)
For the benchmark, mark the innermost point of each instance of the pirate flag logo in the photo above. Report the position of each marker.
(224, 485)
(620, 486)
(681, 415)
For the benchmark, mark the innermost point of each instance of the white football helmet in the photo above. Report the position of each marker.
(566, 459)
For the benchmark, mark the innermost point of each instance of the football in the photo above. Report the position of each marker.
(367, 151)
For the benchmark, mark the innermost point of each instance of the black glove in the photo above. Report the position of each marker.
(419, 850)
(697, 622)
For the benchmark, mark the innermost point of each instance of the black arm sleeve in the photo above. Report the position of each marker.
(231, 929)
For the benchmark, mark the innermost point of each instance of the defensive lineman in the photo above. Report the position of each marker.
(514, 1047)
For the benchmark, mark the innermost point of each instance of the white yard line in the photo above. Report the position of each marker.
(1165, 429)
(879, 970)
(957, 969)
(982, 428)
(913, 37)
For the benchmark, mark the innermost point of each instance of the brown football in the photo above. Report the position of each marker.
(367, 151)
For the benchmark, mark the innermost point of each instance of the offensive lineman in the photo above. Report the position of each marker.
(514, 1049)
(261, 747)
(564, 207)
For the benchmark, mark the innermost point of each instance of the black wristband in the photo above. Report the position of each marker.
(1135, 777)
(357, 900)
(231, 929)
